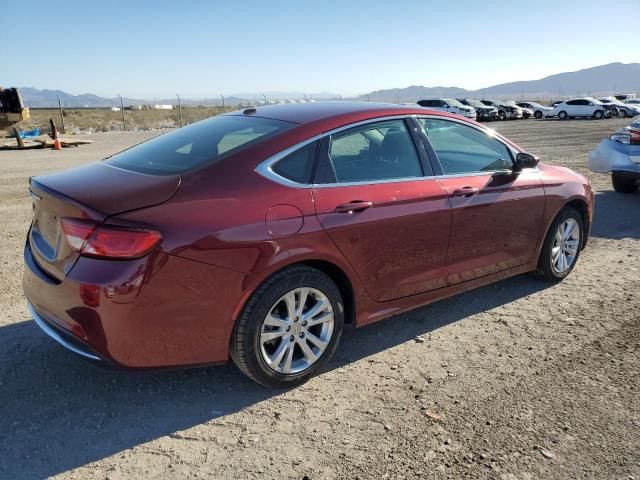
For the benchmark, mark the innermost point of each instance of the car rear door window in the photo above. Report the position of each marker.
(375, 151)
(197, 144)
(464, 149)
(298, 166)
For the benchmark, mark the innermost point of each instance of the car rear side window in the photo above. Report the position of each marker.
(298, 166)
(197, 144)
(375, 151)
(464, 149)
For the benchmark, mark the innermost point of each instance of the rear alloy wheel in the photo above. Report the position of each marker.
(562, 115)
(623, 184)
(561, 247)
(538, 114)
(598, 114)
(289, 328)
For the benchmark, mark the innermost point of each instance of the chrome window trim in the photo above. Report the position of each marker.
(53, 334)
(264, 168)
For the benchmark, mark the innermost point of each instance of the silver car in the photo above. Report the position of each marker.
(619, 155)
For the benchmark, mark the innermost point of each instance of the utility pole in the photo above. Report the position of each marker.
(61, 114)
(179, 109)
(124, 124)
(265, 99)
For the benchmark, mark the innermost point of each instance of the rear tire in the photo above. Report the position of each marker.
(623, 184)
(552, 268)
(502, 115)
(622, 113)
(562, 115)
(273, 342)
(598, 114)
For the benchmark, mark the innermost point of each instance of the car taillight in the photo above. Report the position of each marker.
(630, 138)
(93, 240)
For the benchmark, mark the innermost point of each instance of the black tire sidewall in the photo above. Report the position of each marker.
(622, 184)
(259, 305)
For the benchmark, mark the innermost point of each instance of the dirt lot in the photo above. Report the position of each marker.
(516, 381)
(104, 120)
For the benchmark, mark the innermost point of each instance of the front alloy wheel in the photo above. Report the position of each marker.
(566, 243)
(561, 247)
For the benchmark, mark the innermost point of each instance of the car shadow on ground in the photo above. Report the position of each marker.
(616, 215)
(60, 412)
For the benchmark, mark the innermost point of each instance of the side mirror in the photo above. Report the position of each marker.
(525, 160)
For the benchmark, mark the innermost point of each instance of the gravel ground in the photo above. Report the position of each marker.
(516, 381)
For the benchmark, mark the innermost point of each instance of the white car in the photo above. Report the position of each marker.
(632, 101)
(539, 111)
(449, 105)
(579, 107)
(619, 155)
(623, 109)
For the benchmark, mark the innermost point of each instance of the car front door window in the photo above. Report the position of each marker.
(463, 149)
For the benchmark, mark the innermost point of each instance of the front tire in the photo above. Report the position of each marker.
(561, 247)
(622, 184)
(562, 115)
(502, 115)
(289, 328)
(538, 114)
(622, 113)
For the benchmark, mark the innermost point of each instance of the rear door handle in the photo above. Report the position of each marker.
(355, 206)
(465, 191)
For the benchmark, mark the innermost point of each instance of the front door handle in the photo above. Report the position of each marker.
(355, 206)
(465, 191)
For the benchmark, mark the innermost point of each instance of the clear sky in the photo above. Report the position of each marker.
(146, 49)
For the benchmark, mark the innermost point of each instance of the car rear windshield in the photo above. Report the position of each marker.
(197, 144)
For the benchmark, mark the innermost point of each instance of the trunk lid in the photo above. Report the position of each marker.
(95, 191)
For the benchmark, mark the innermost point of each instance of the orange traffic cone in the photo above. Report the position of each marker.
(56, 144)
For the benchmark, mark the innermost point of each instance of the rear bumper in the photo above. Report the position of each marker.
(66, 339)
(487, 115)
(610, 156)
(157, 311)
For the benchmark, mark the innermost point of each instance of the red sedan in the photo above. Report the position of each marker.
(259, 234)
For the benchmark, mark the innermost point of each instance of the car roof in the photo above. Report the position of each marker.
(304, 113)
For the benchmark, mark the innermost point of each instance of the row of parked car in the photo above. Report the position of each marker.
(488, 110)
